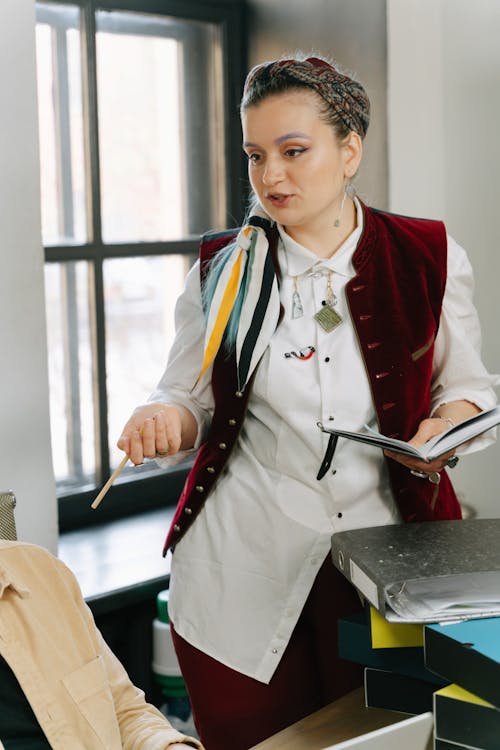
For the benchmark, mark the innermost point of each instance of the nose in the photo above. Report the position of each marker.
(273, 172)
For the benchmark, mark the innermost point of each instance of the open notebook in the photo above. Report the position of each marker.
(436, 446)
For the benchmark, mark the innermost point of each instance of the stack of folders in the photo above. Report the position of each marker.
(440, 579)
(467, 654)
(396, 677)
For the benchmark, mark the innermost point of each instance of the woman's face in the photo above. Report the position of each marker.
(296, 166)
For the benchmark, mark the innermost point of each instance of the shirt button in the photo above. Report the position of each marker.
(222, 446)
(327, 359)
(334, 471)
(200, 488)
(187, 511)
(339, 515)
(238, 394)
(177, 527)
(211, 469)
(231, 422)
(275, 650)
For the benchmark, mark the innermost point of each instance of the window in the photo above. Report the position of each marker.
(139, 154)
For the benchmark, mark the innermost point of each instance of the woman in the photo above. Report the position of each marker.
(337, 312)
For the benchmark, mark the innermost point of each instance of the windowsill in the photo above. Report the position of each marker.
(119, 562)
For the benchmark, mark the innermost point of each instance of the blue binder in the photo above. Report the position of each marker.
(468, 654)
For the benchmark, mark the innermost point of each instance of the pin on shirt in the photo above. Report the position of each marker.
(303, 354)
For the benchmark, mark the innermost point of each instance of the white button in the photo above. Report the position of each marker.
(275, 650)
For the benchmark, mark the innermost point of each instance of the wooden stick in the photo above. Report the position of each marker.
(110, 481)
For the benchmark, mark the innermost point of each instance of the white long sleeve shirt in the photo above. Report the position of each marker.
(241, 574)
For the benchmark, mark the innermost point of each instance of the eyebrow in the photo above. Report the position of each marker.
(280, 139)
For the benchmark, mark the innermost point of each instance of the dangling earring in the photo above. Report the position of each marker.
(336, 223)
(349, 191)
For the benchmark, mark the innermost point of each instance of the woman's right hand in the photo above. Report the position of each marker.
(153, 430)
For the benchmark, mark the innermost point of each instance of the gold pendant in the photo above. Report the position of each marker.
(328, 318)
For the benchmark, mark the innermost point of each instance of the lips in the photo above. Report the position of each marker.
(280, 200)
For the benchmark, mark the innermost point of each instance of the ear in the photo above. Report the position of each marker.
(353, 151)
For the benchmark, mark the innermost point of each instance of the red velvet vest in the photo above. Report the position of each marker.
(395, 304)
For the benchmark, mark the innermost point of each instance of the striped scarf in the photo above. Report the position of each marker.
(247, 271)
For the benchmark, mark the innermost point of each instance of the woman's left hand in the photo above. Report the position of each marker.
(427, 429)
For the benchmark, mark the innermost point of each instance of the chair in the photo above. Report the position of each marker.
(7, 518)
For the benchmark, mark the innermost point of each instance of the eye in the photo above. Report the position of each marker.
(294, 152)
(254, 158)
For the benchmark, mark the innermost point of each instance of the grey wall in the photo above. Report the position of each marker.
(444, 159)
(25, 456)
(353, 32)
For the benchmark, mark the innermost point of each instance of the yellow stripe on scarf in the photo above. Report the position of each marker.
(223, 314)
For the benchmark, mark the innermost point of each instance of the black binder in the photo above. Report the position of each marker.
(425, 572)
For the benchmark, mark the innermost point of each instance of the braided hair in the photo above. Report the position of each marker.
(346, 104)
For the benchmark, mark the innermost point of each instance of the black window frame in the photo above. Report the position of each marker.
(133, 495)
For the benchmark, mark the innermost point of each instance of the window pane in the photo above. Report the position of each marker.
(62, 171)
(140, 297)
(70, 374)
(148, 137)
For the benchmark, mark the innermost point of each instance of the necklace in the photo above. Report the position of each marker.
(327, 316)
(297, 309)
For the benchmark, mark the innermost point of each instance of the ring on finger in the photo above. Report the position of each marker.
(434, 477)
(452, 462)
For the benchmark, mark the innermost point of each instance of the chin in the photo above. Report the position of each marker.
(282, 215)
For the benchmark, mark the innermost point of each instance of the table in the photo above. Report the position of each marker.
(341, 720)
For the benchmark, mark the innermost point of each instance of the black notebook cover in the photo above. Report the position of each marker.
(398, 692)
(467, 653)
(355, 645)
(466, 722)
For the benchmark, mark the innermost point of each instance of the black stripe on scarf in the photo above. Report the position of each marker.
(257, 320)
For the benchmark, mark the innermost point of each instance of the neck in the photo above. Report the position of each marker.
(322, 237)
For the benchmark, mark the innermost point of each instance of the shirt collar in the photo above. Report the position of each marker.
(12, 581)
(296, 259)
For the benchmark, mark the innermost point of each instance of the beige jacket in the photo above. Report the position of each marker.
(79, 691)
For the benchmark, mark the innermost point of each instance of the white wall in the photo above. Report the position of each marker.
(444, 159)
(25, 457)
